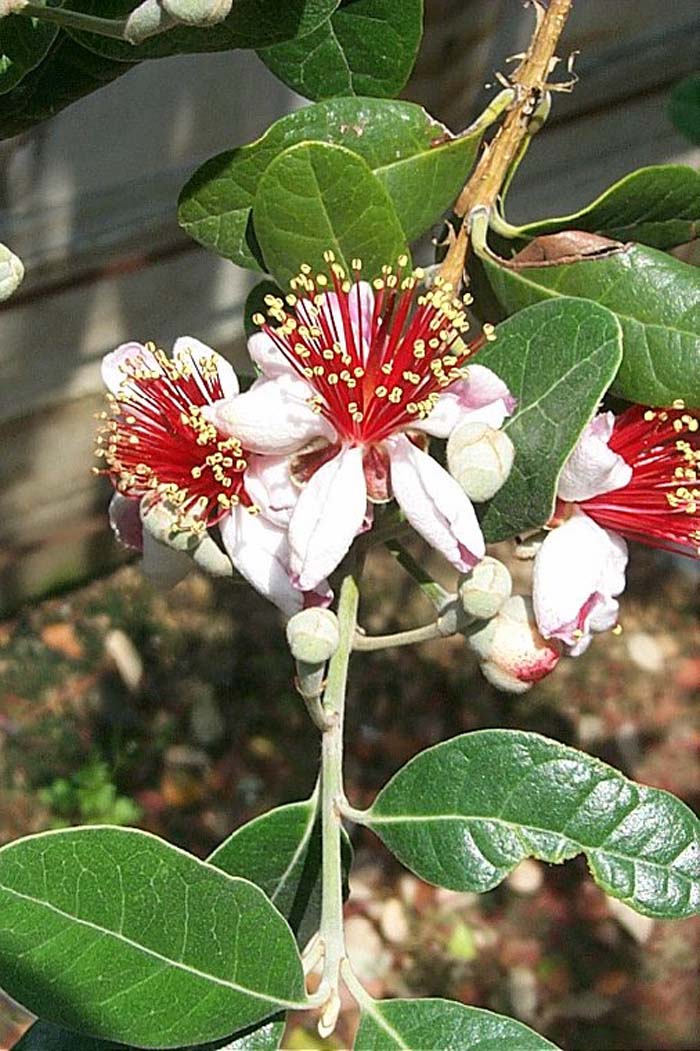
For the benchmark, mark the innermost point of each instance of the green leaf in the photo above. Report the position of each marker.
(105, 929)
(23, 43)
(464, 813)
(66, 74)
(684, 107)
(558, 359)
(43, 1036)
(367, 47)
(656, 299)
(657, 206)
(415, 1025)
(281, 852)
(251, 24)
(420, 164)
(315, 197)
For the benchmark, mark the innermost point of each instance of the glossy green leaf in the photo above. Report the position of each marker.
(251, 24)
(316, 197)
(415, 1025)
(657, 206)
(464, 813)
(367, 47)
(558, 359)
(281, 852)
(43, 1036)
(684, 107)
(419, 163)
(67, 73)
(23, 43)
(104, 929)
(656, 299)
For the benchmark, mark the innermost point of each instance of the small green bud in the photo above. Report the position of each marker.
(149, 18)
(479, 458)
(313, 635)
(484, 591)
(198, 12)
(11, 267)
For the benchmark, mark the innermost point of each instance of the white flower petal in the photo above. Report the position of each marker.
(593, 468)
(270, 418)
(578, 572)
(480, 398)
(260, 552)
(163, 565)
(329, 514)
(268, 356)
(270, 486)
(113, 364)
(360, 310)
(200, 352)
(435, 504)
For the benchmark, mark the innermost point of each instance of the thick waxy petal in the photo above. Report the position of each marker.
(435, 504)
(269, 484)
(125, 520)
(593, 468)
(204, 355)
(578, 572)
(260, 552)
(268, 357)
(329, 514)
(113, 373)
(273, 417)
(480, 398)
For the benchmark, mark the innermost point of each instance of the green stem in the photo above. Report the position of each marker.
(75, 20)
(400, 638)
(433, 591)
(332, 795)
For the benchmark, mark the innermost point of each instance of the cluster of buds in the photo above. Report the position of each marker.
(156, 16)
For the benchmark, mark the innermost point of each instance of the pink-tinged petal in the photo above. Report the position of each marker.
(131, 354)
(328, 516)
(125, 520)
(270, 418)
(270, 485)
(434, 504)
(164, 566)
(202, 354)
(268, 356)
(260, 552)
(578, 572)
(480, 398)
(360, 311)
(593, 468)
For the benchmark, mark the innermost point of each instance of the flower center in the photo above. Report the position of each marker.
(377, 356)
(155, 439)
(660, 505)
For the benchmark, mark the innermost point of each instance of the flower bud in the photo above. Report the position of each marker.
(480, 459)
(512, 652)
(11, 267)
(198, 12)
(149, 18)
(313, 635)
(485, 590)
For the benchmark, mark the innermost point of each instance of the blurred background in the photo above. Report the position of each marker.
(176, 711)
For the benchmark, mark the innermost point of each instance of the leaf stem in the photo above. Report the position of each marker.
(61, 16)
(332, 795)
(530, 83)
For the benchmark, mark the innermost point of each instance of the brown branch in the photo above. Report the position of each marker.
(530, 81)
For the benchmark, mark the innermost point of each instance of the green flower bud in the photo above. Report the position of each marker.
(313, 635)
(11, 268)
(480, 459)
(484, 591)
(149, 18)
(198, 12)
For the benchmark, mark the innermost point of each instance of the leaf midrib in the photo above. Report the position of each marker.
(224, 983)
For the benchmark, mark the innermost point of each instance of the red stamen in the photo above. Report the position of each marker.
(374, 374)
(660, 506)
(156, 441)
